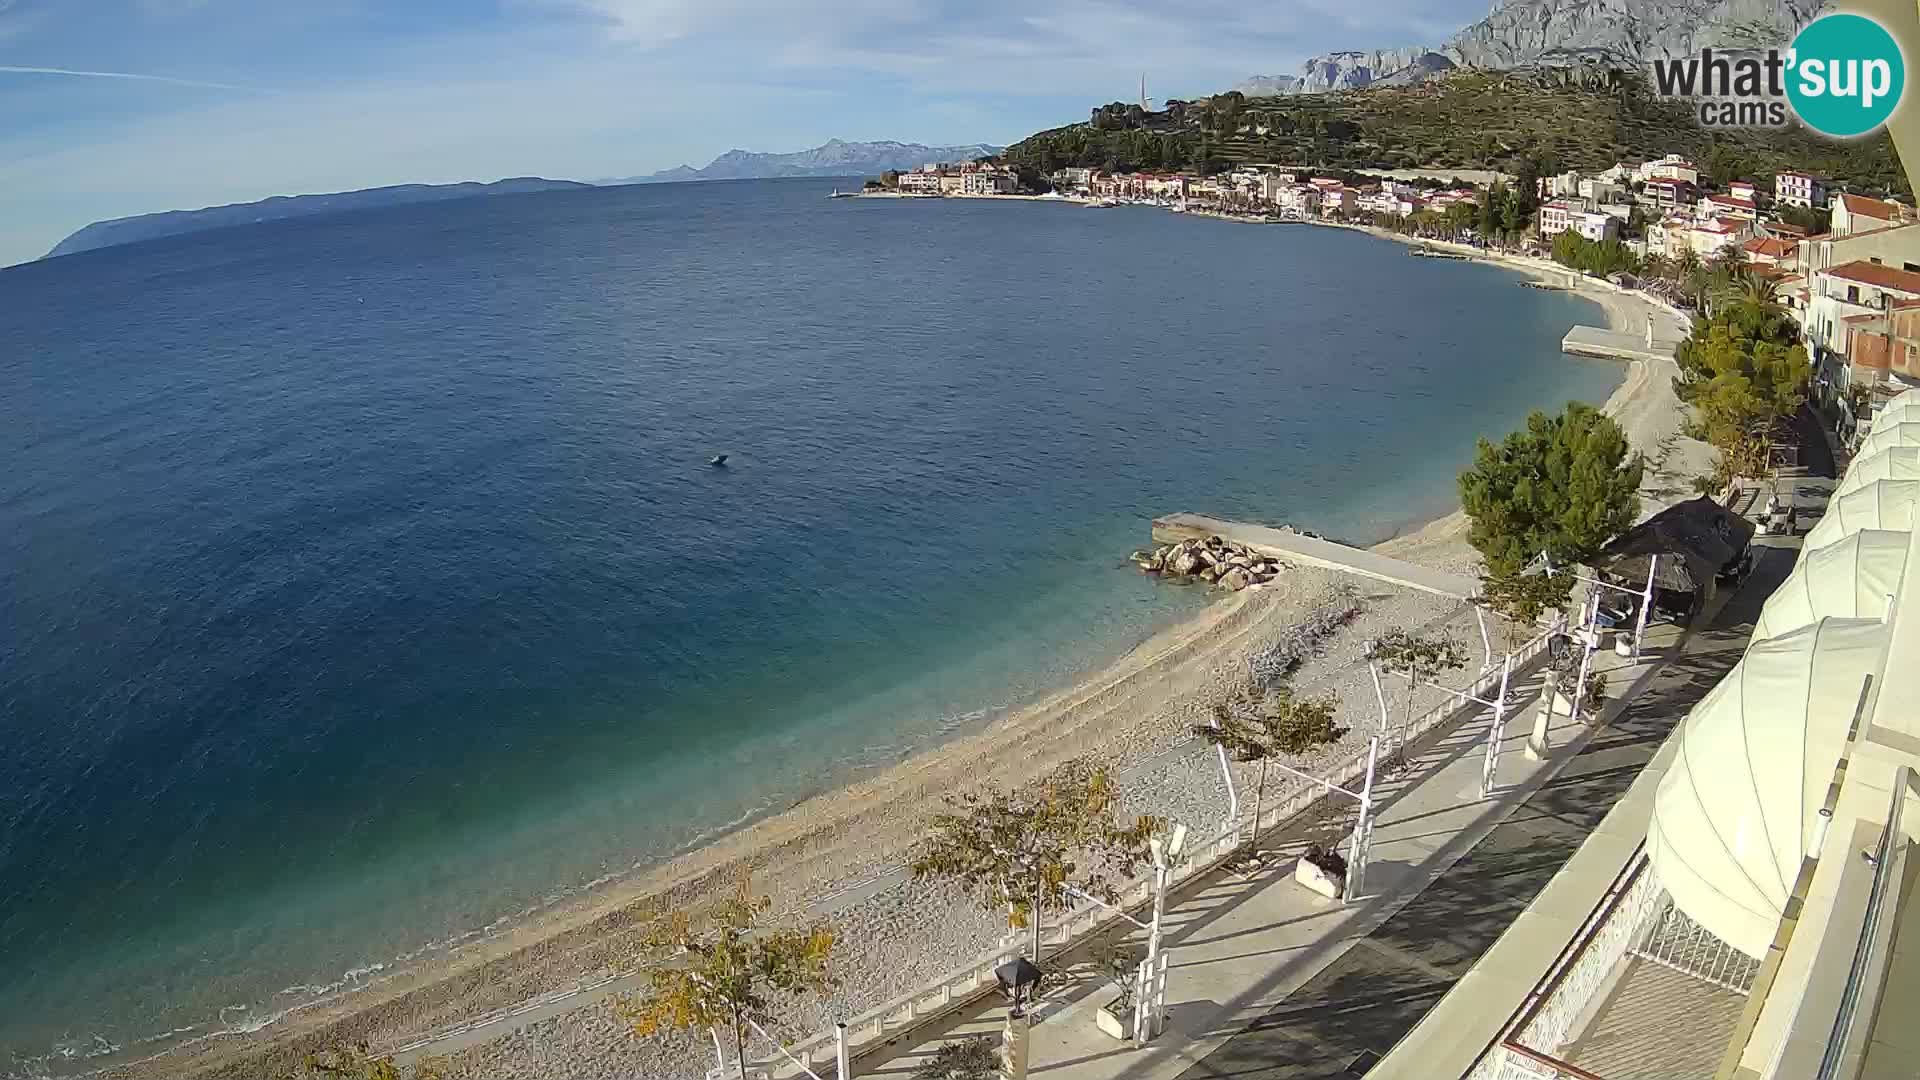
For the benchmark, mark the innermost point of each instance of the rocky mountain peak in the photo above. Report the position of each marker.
(1521, 33)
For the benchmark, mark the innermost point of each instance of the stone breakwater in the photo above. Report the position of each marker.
(1214, 560)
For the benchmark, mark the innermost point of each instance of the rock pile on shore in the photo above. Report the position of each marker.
(1214, 560)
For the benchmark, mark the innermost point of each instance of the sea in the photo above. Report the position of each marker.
(365, 585)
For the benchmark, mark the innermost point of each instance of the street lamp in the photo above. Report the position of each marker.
(1019, 980)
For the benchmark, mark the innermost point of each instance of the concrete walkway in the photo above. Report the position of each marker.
(1357, 1007)
(1616, 345)
(1300, 548)
(1267, 979)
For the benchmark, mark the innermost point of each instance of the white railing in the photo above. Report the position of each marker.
(1545, 1023)
(974, 979)
(1679, 943)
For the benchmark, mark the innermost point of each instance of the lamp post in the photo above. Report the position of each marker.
(1019, 980)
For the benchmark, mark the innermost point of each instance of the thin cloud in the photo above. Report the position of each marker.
(10, 69)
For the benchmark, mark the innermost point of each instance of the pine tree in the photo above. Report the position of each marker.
(1564, 485)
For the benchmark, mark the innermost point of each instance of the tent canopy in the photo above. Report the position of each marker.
(1891, 463)
(1694, 539)
(1902, 409)
(1895, 433)
(1740, 806)
(1850, 579)
(1883, 504)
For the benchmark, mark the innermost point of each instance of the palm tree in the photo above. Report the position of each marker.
(1750, 301)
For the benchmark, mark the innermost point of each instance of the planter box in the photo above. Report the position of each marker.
(1318, 880)
(1114, 1024)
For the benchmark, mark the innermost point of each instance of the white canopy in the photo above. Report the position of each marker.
(1904, 409)
(1740, 806)
(1896, 433)
(1883, 504)
(1849, 579)
(1892, 463)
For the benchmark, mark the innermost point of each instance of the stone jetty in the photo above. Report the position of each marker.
(1214, 560)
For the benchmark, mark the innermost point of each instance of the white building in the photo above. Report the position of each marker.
(1849, 290)
(1731, 205)
(1596, 190)
(1597, 227)
(1671, 167)
(921, 182)
(989, 181)
(1799, 189)
(1567, 183)
(1557, 216)
(1857, 213)
(1298, 199)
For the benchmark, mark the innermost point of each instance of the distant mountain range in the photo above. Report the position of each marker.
(127, 230)
(1524, 33)
(835, 157)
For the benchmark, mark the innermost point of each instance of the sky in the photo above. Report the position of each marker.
(117, 107)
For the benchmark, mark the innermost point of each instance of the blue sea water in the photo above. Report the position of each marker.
(363, 581)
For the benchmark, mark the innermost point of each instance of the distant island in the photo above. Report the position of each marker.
(128, 230)
(835, 157)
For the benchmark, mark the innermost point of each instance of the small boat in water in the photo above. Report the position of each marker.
(838, 194)
(719, 461)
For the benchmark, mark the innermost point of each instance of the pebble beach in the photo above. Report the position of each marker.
(836, 857)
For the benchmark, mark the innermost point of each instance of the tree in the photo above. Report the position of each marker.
(1523, 598)
(1602, 257)
(1493, 210)
(1744, 373)
(1415, 655)
(734, 972)
(1524, 196)
(977, 1058)
(1274, 724)
(1563, 484)
(1027, 850)
(358, 1063)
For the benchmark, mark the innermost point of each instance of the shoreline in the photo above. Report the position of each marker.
(832, 843)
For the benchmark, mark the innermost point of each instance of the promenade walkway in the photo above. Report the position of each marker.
(1615, 345)
(1299, 548)
(1269, 981)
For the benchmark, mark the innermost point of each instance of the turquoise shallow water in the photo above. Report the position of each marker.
(364, 582)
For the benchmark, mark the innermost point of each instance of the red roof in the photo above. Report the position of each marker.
(1740, 201)
(1873, 208)
(1883, 277)
(1769, 246)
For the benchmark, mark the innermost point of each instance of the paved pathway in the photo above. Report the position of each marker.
(1265, 976)
(1359, 1005)
(1269, 982)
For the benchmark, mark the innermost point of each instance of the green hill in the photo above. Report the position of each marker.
(1582, 119)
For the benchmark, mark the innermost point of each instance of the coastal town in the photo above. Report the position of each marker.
(1845, 265)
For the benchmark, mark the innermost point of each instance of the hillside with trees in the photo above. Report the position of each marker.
(1462, 120)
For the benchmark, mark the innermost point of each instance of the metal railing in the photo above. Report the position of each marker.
(1546, 1020)
(967, 983)
(1679, 943)
(1866, 976)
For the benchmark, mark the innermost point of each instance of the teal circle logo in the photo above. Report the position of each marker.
(1845, 75)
